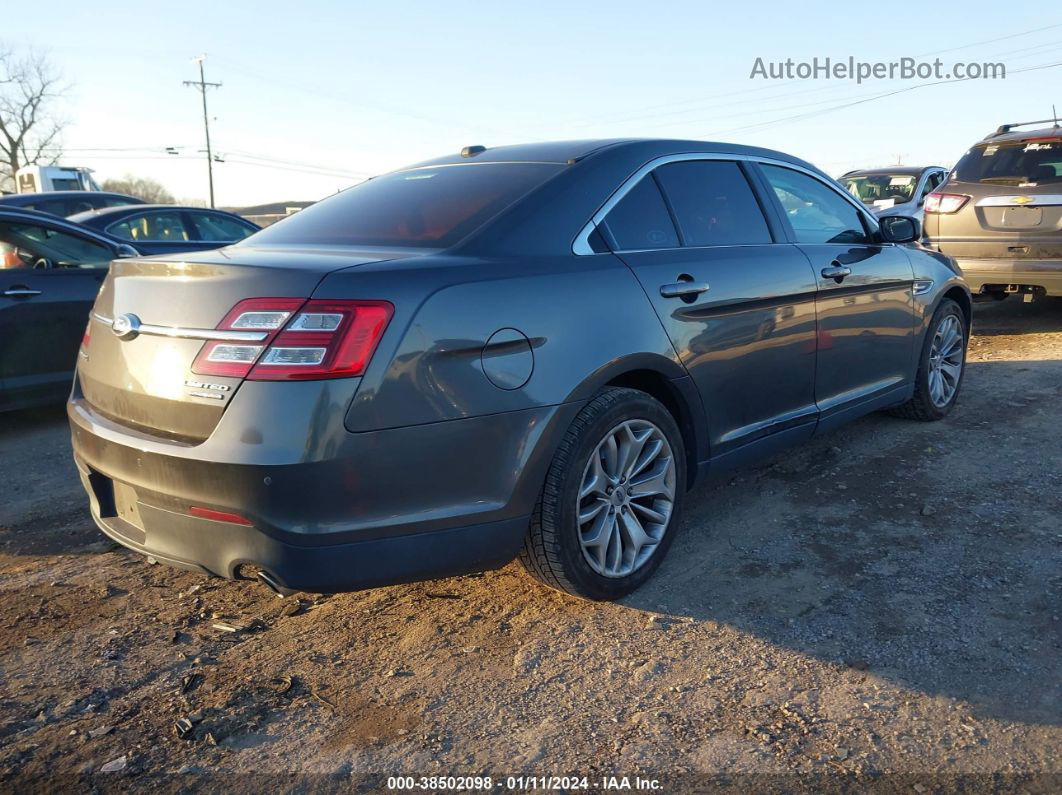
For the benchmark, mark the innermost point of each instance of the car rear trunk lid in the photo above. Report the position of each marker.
(144, 379)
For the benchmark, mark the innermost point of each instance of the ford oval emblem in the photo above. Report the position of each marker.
(126, 327)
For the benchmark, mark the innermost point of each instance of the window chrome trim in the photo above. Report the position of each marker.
(1021, 200)
(581, 245)
(176, 332)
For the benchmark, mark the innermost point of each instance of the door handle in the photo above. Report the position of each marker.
(683, 289)
(836, 271)
(18, 291)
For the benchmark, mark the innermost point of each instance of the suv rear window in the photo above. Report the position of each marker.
(425, 207)
(1013, 163)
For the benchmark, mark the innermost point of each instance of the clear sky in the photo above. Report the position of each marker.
(316, 94)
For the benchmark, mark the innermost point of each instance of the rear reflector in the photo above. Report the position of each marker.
(321, 339)
(945, 203)
(218, 516)
(86, 336)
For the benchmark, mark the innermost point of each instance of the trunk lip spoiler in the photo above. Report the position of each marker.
(177, 332)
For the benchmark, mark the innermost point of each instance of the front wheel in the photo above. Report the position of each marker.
(940, 367)
(612, 497)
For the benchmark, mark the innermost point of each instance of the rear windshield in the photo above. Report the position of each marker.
(427, 207)
(1019, 163)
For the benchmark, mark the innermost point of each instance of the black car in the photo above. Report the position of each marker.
(50, 272)
(167, 228)
(65, 203)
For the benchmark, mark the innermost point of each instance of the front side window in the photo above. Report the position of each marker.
(424, 207)
(155, 227)
(817, 213)
(218, 228)
(640, 219)
(42, 247)
(713, 203)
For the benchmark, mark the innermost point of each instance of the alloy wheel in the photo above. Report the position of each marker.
(626, 498)
(945, 361)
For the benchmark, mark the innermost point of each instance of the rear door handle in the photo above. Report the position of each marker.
(682, 289)
(18, 291)
(836, 271)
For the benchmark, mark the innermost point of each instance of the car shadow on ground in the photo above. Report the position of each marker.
(1013, 316)
(929, 555)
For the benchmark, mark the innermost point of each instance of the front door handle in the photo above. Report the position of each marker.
(836, 271)
(683, 289)
(19, 291)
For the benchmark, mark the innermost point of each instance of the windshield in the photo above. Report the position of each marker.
(426, 207)
(874, 189)
(1031, 162)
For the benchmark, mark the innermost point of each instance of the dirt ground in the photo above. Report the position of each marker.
(876, 610)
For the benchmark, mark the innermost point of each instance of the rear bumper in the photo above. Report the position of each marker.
(354, 510)
(993, 272)
(222, 548)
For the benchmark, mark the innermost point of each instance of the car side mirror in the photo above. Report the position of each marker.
(125, 250)
(899, 229)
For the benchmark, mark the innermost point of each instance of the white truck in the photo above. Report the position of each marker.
(43, 179)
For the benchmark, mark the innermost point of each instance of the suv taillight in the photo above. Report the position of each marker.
(945, 203)
(302, 340)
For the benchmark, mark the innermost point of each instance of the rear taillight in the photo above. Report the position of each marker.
(299, 340)
(325, 339)
(262, 317)
(86, 336)
(945, 202)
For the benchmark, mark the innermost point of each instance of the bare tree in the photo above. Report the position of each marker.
(29, 131)
(144, 188)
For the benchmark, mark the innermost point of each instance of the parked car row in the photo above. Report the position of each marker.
(51, 269)
(998, 212)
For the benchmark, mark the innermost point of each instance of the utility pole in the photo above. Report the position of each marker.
(203, 85)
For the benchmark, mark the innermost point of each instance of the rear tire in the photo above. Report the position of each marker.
(612, 498)
(937, 384)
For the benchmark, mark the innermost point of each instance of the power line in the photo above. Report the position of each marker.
(644, 113)
(203, 85)
(801, 116)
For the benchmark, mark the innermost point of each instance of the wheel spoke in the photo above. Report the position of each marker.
(649, 453)
(595, 481)
(649, 513)
(590, 511)
(634, 535)
(653, 483)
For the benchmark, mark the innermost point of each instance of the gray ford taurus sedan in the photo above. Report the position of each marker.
(526, 351)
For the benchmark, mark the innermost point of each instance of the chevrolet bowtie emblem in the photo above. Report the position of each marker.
(1022, 199)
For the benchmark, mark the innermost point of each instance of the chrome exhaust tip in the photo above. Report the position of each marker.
(273, 585)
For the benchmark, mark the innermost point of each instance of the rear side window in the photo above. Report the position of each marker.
(160, 227)
(640, 219)
(1014, 164)
(426, 207)
(816, 213)
(713, 203)
(218, 228)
